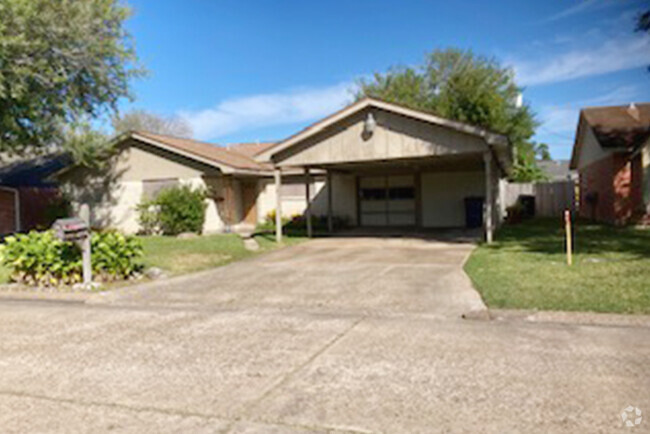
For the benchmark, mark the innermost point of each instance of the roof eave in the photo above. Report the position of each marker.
(490, 137)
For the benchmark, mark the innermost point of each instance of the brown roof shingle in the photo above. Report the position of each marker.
(625, 126)
(250, 149)
(230, 157)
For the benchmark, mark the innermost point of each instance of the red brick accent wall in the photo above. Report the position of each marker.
(639, 210)
(618, 182)
(597, 178)
(622, 177)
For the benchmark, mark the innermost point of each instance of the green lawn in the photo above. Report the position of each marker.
(526, 268)
(178, 256)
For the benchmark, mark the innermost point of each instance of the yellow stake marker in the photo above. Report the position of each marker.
(569, 247)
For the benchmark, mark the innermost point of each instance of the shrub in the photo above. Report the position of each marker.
(114, 255)
(148, 217)
(39, 258)
(173, 211)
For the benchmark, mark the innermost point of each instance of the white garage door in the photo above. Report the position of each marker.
(387, 200)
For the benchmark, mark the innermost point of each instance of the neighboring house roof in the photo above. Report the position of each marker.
(229, 159)
(489, 136)
(625, 127)
(33, 172)
(556, 170)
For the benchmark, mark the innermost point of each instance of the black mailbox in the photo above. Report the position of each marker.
(71, 229)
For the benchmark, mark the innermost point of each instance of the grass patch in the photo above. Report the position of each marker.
(179, 256)
(526, 268)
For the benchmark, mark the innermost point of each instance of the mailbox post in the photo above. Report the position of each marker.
(76, 230)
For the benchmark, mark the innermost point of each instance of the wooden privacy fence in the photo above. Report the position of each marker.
(551, 198)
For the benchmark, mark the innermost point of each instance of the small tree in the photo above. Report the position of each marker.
(153, 123)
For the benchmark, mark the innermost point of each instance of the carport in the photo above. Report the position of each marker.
(388, 165)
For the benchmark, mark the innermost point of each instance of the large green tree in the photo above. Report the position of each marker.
(61, 62)
(460, 85)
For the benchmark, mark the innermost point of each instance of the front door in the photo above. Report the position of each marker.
(249, 201)
(387, 200)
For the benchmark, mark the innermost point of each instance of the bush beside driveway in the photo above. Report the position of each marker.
(185, 255)
(526, 268)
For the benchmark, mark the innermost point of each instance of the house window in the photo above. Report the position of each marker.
(152, 187)
(401, 193)
(373, 193)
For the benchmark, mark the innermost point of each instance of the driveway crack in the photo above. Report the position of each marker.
(247, 412)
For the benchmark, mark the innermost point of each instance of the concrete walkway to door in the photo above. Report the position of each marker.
(354, 275)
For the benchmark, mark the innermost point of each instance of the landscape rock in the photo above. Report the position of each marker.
(251, 244)
(155, 273)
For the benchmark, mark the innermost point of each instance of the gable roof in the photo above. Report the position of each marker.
(489, 136)
(624, 127)
(227, 160)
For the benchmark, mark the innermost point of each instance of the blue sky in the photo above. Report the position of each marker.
(261, 70)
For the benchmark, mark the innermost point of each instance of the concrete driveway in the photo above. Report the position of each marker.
(354, 275)
(209, 354)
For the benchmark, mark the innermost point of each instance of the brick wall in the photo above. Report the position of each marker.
(618, 182)
(597, 179)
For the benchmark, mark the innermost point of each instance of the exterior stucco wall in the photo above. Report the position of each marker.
(443, 195)
(344, 197)
(394, 137)
(115, 206)
(114, 192)
(112, 205)
(294, 204)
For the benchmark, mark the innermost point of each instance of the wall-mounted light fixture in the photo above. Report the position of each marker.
(369, 126)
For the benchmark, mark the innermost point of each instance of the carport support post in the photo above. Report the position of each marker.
(330, 220)
(308, 202)
(487, 159)
(277, 174)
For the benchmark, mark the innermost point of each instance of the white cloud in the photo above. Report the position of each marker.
(576, 9)
(264, 110)
(616, 54)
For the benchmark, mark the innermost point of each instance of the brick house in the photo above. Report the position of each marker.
(612, 156)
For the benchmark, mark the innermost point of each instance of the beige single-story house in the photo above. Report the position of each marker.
(373, 164)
